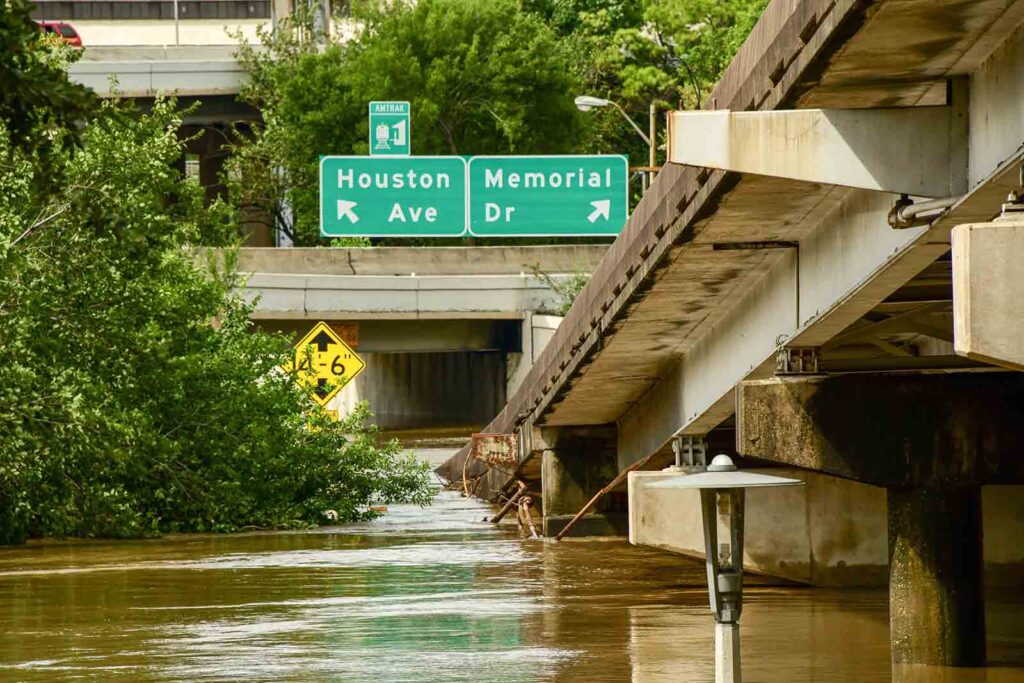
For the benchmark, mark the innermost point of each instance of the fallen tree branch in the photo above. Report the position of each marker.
(524, 506)
(509, 503)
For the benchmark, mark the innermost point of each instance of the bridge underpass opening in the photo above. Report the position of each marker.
(423, 394)
(426, 380)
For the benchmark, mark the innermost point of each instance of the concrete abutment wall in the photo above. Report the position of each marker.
(829, 532)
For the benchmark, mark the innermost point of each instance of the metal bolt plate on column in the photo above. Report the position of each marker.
(691, 454)
(797, 361)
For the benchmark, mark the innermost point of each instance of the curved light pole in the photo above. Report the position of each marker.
(588, 102)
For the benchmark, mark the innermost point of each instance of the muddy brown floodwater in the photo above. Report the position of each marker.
(422, 595)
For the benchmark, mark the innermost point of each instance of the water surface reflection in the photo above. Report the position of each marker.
(419, 595)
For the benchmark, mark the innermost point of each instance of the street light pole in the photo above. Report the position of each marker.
(652, 139)
(587, 102)
(722, 496)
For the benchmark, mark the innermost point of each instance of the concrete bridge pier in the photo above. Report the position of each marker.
(936, 587)
(576, 462)
(932, 440)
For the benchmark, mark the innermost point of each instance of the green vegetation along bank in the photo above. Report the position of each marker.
(134, 397)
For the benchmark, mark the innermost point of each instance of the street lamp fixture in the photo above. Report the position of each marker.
(588, 102)
(722, 490)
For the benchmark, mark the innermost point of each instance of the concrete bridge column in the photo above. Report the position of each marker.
(931, 441)
(936, 600)
(577, 462)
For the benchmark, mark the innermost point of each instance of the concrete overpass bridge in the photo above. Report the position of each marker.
(142, 46)
(446, 332)
(785, 291)
(144, 71)
(136, 49)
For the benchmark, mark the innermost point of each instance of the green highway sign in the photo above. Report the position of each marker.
(548, 196)
(389, 129)
(506, 196)
(392, 196)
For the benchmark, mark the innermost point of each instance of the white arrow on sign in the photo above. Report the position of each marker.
(602, 209)
(345, 210)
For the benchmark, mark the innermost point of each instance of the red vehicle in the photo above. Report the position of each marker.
(66, 32)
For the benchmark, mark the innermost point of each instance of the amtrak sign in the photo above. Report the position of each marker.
(499, 196)
(389, 129)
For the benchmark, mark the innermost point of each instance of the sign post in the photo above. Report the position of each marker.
(389, 129)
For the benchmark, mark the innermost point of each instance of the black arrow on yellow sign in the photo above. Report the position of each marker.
(321, 388)
(322, 341)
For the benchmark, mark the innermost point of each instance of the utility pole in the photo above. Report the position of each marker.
(652, 144)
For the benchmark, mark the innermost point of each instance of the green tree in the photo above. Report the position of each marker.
(135, 397)
(37, 103)
(482, 77)
(670, 52)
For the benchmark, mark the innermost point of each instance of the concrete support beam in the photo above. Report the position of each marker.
(936, 601)
(171, 75)
(888, 430)
(849, 263)
(988, 292)
(828, 532)
(913, 150)
(577, 463)
(368, 297)
(463, 261)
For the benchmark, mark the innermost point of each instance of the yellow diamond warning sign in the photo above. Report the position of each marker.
(324, 363)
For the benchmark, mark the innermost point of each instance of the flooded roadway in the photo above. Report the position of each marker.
(421, 595)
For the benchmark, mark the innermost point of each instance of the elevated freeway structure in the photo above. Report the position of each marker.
(785, 292)
(138, 48)
(145, 71)
(446, 332)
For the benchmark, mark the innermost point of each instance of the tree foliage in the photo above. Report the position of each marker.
(136, 398)
(638, 52)
(482, 78)
(39, 106)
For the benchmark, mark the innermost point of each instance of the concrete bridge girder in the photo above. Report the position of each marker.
(602, 367)
(406, 283)
(848, 262)
(145, 71)
(988, 292)
(890, 430)
(919, 151)
(377, 296)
